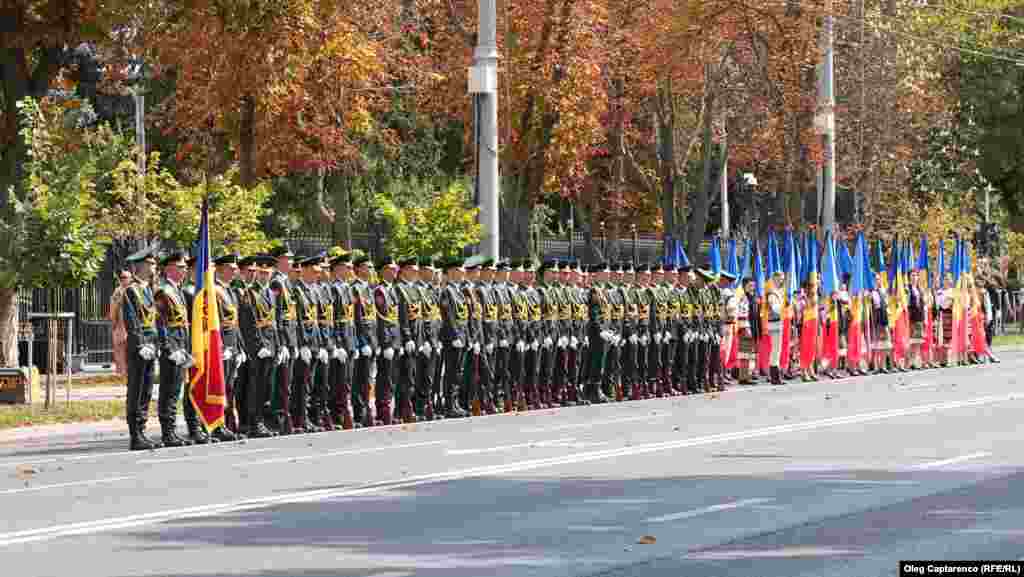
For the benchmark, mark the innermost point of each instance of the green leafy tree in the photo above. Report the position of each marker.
(50, 238)
(444, 225)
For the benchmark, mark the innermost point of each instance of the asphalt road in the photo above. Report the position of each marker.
(841, 478)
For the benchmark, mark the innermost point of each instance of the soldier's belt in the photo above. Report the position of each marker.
(310, 323)
(265, 324)
(176, 325)
(230, 324)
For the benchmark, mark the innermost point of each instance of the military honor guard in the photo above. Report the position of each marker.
(139, 313)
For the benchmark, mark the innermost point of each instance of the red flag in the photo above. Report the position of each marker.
(809, 337)
(853, 335)
(787, 316)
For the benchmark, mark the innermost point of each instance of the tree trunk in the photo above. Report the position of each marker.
(699, 215)
(247, 142)
(9, 327)
(667, 156)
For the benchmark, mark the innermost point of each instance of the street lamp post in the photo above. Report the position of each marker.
(749, 182)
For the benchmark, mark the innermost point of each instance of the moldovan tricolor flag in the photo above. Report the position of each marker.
(207, 384)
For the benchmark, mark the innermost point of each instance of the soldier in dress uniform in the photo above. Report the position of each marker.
(670, 323)
(599, 335)
(490, 337)
(532, 335)
(612, 379)
(658, 315)
(307, 302)
(238, 286)
(367, 343)
(410, 322)
(472, 397)
(138, 309)
(389, 335)
(233, 353)
(547, 275)
(428, 383)
(259, 335)
(579, 354)
(175, 359)
(454, 336)
(518, 337)
(286, 318)
(699, 360)
(346, 351)
(502, 291)
(644, 304)
(629, 355)
(686, 333)
(323, 399)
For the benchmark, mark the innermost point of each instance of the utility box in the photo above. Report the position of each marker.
(19, 386)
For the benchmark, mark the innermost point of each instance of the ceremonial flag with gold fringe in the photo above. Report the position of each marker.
(855, 334)
(829, 292)
(206, 392)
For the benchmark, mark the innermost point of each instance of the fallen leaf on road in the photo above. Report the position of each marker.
(25, 471)
(714, 396)
(675, 428)
(647, 540)
(828, 397)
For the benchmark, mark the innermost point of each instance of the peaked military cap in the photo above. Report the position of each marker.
(363, 259)
(341, 259)
(668, 267)
(387, 261)
(231, 258)
(143, 254)
(426, 262)
(281, 250)
(705, 274)
(548, 265)
(175, 257)
(451, 263)
(598, 267)
(409, 262)
(728, 275)
(474, 262)
(643, 267)
(266, 261)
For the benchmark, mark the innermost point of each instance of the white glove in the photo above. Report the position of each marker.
(293, 353)
(342, 356)
(323, 356)
(633, 339)
(190, 361)
(457, 343)
(227, 354)
(240, 358)
(379, 351)
(657, 338)
(605, 335)
(574, 343)
(616, 340)
(335, 353)
(306, 354)
(521, 346)
(644, 340)
(176, 357)
(490, 348)
(265, 352)
(503, 343)
(282, 355)
(563, 342)
(476, 348)
(147, 352)
(410, 347)
(667, 337)
(355, 355)
(548, 343)
(438, 347)
(586, 341)
(366, 351)
(389, 353)
(427, 349)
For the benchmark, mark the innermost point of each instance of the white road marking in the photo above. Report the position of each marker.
(316, 495)
(317, 456)
(706, 510)
(206, 457)
(596, 528)
(502, 448)
(62, 485)
(953, 461)
(591, 424)
(870, 481)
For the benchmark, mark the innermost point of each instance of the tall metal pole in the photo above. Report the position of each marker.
(140, 125)
(827, 124)
(725, 198)
(483, 81)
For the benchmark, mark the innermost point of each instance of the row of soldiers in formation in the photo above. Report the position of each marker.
(318, 343)
(314, 343)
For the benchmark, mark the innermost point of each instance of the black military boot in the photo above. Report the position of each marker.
(139, 440)
(224, 435)
(257, 430)
(198, 435)
(169, 437)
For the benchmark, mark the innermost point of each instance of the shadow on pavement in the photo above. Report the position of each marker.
(802, 525)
